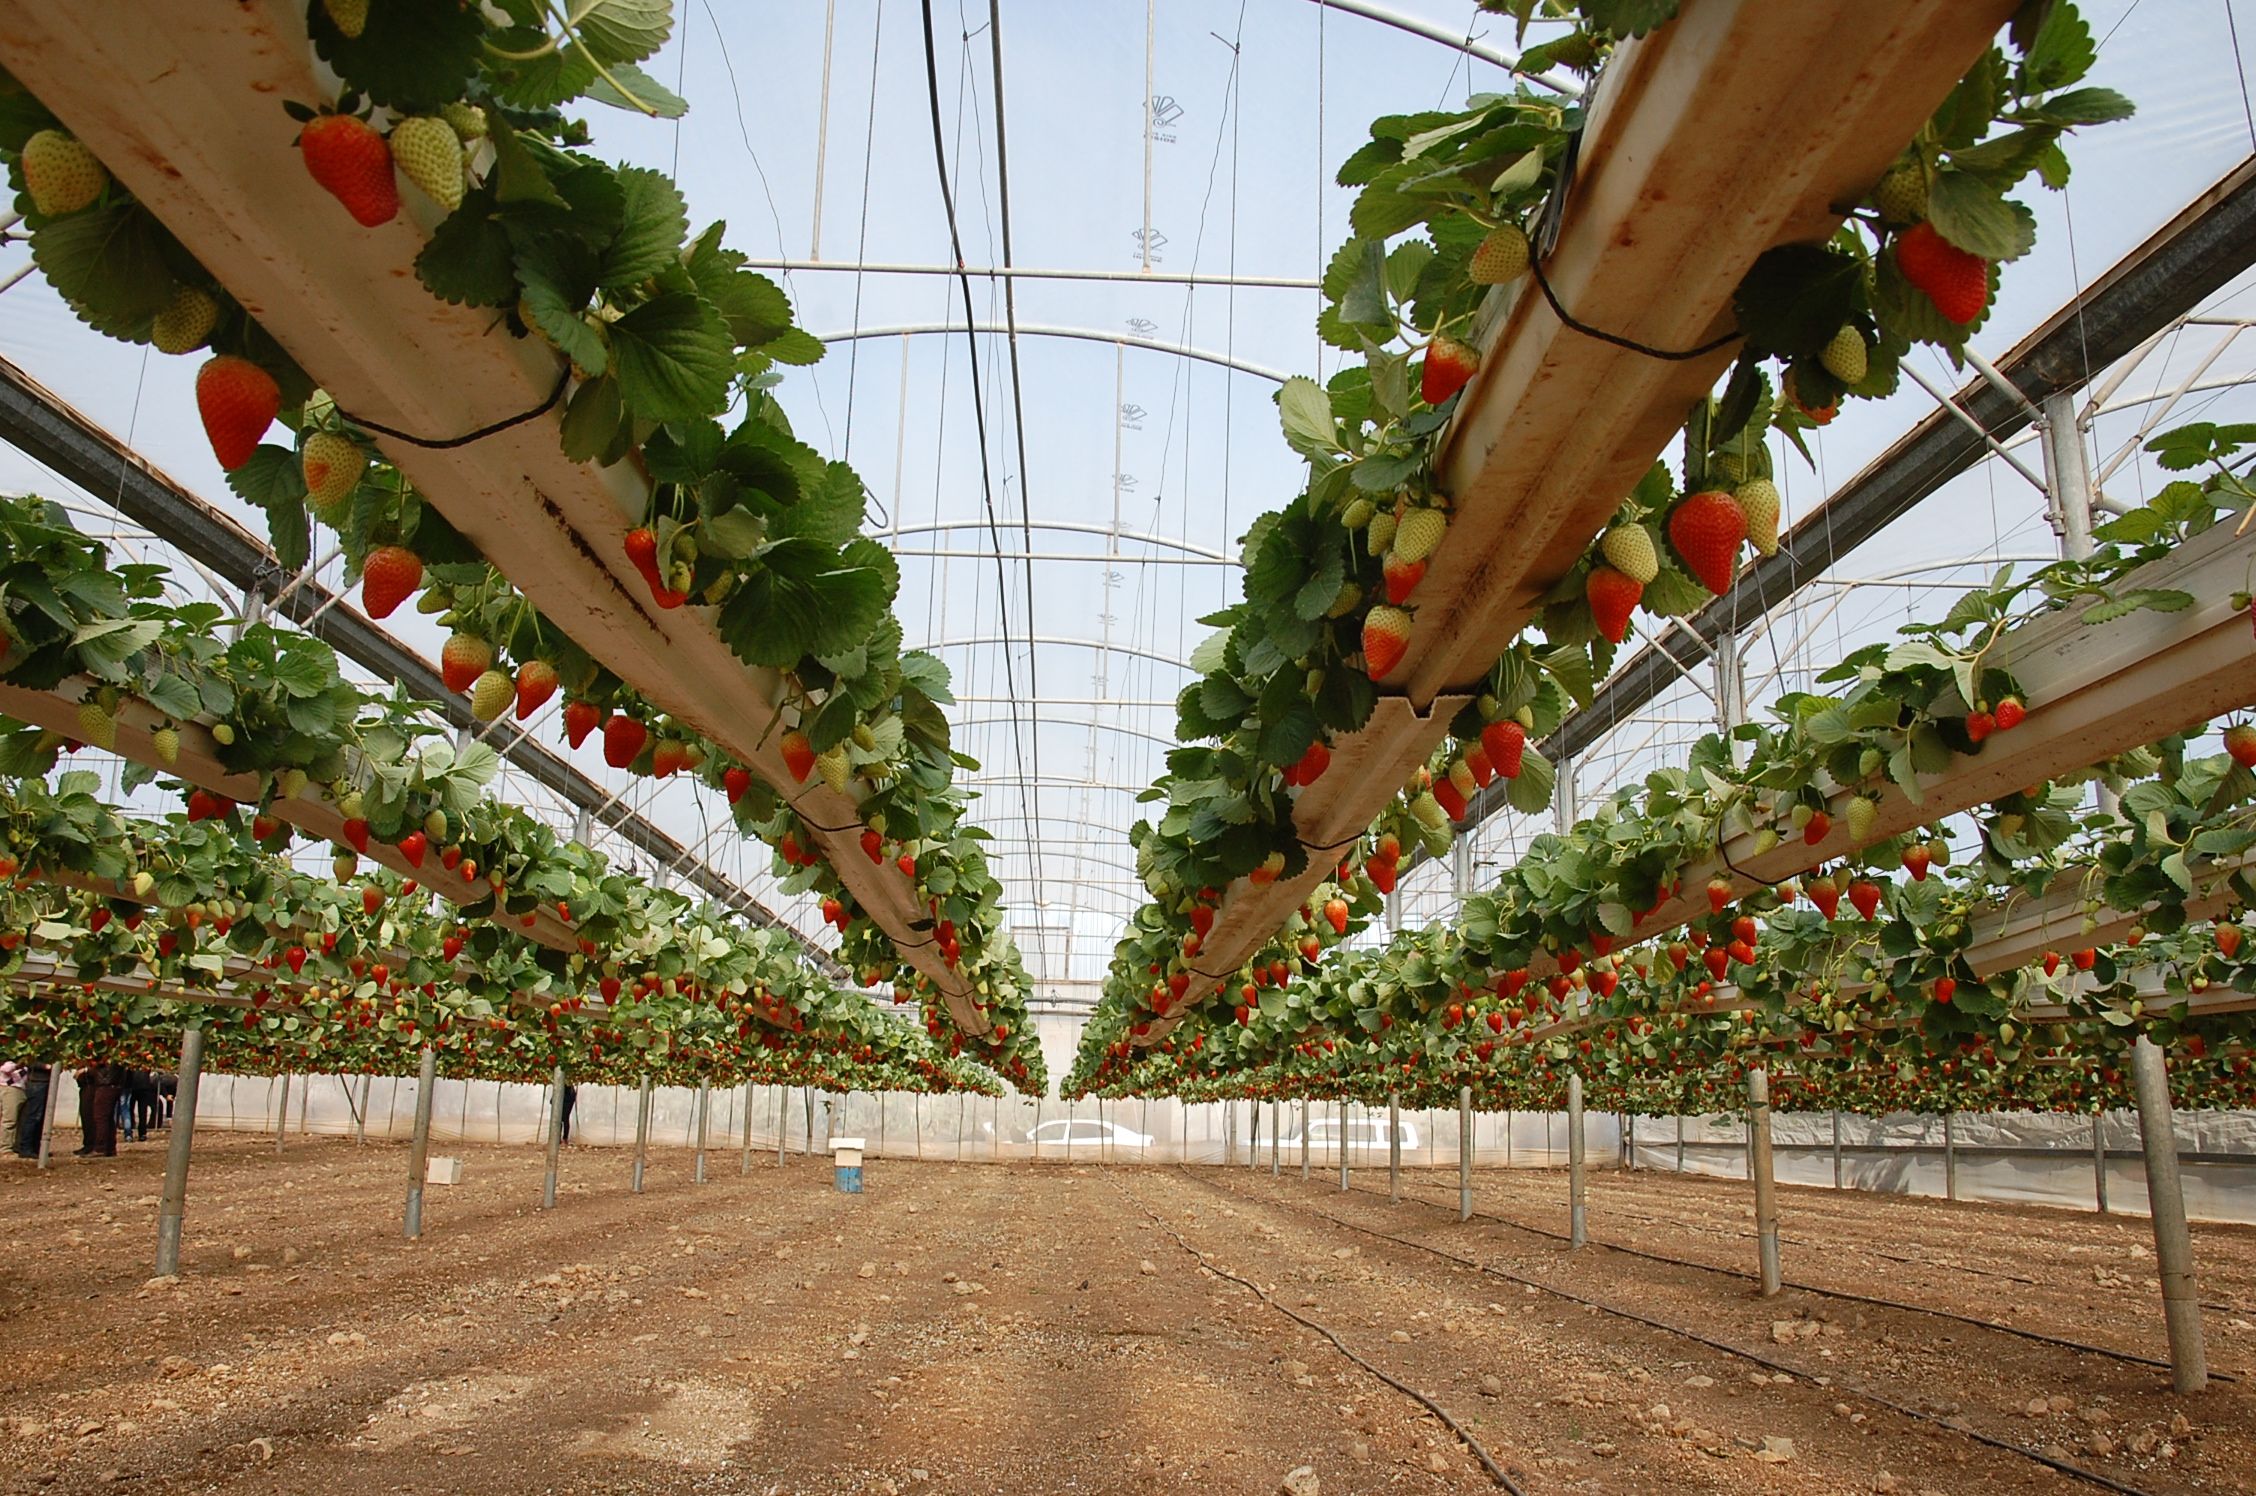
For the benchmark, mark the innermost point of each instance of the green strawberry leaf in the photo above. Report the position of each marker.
(111, 264)
(638, 91)
(673, 358)
(623, 31)
(469, 261)
(412, 55)
(1972, 216)
(651, 231)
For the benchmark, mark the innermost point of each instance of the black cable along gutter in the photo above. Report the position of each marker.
(41, 426)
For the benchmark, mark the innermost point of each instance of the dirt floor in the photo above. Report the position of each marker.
(1052, 1328)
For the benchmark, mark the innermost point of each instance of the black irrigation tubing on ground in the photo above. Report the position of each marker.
(1465, 1435)
(1956, 1426)
(2130, 1357)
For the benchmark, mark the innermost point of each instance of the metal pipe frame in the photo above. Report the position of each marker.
(173, 1205)
(1066, 527)
(1079, 334)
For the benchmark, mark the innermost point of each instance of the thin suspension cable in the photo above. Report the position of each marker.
(861, 246)
(986, 474)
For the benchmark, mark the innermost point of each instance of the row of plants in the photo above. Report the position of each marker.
(1442, 219)
(131, 919)
(1868, 961)
(458, 114)
(276, 706)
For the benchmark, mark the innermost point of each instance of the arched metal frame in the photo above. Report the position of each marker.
(1083, 334)
(977, 641)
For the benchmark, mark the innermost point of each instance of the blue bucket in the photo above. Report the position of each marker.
(849, 1179)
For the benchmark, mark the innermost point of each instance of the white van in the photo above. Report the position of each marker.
(1366, 1137)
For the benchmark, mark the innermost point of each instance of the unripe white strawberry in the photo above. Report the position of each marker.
(428, 153)
(61, 174)
(1758, 500)
(1501, 257)
(1629, 549)
(1418, 533)
(186, 321)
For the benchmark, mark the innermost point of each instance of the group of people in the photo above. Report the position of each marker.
(113, 1101)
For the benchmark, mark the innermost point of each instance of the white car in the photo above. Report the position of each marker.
(1364, 1136)
(1084, 1135)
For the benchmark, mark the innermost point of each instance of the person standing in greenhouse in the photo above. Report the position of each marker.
(11, 1103)
(99, 1090)
(31, 1121)
(143, 1109)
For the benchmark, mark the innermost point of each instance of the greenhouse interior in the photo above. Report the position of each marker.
(1511, 745)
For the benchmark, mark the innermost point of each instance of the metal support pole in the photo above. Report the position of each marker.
(1394, 1147)
(1578, 1212)
(360, 1119)
(1758, 1163)
(809, 1093)
(744, 1164)
(1343, 1142)
(1628, 1126)
(55, 1072)
(174, 1202)
(2099, 1162)
(2165, 1193)
(1680, 1144)
(642, 1133)
(1276, 1141)
(2069, 471)
(419, 1149)
(1950, 1157)
(282, 1115)
(1836, 1150)
(1253, 1134)
(704, 1108)
(1304, 1142)
(555, 1137)
(783, 1123)
(1464, 1153)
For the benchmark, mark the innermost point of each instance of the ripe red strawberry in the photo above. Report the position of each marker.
(1483, 767)
(1613, 598)
(238, 401)
(1865, 894)
(798, 754)
(1826, 895)
(354, 164)
(736, 780)
(390, 577)
(1957, 282)
(1386, 638)
(1311, 765)
(1505, 742)
(451, 947)
(1335, 911)
(1402, 577)
(1979, 725)
(642, 550)
(1719, 893)
(2010, 714)
(2240, 742)
(1451, 798)
(2228, 940)
(670, 757)
(2051, 962)
(1449, 363)
(623, 738)
(371, 898)
(356, 834)
(415, 846)
(1818, 827)
(580, 719)
(462, 659)
(2084, 959)
(873, 846)
(1945, 987)
(1383, 875)
(1707, 530)
(1916, 859)
(536, 682)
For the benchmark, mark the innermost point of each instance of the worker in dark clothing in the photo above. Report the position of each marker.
(99, 1087)
(32, 1121)
(571, 1100)
(141, 1096)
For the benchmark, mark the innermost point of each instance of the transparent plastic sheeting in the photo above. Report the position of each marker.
(2013, 1158)
(2016, 1158)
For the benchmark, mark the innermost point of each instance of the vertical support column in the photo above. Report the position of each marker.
(2099, 1162)
(704, 1108)
(282, 1115)
(555, 1137)
(1836, 1150)
(1758, 1163)
(1394, 1147)
(1343, 1142)
(1464, 1153)
(1578, 1210)
(1950, 1157)
(1253, 1134)
(744, 1164)
(173, 1204)
(1628, 1125)
(1276, 1140)
(360, 1118)
(642, 1133)
(55, 1072)
(809, 1093)
(1304, 1141)
(419, 1148)
(783, 1123)
(2165, 1193)
(1680, 1143)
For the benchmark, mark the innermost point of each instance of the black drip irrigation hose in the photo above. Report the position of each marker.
(1464, 1435)
(2064, 1467)
(2132, 1358)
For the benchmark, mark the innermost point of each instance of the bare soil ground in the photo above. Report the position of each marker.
(1050, 1328)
